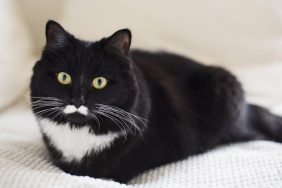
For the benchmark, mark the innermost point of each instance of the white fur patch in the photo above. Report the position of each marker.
(75, 143)
(70, 109)
(83, 110)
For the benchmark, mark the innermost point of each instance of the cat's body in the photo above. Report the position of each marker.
(189, 108)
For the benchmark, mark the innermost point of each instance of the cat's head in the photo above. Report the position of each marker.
(85, 83)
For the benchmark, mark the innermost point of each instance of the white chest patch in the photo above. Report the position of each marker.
(77, 142)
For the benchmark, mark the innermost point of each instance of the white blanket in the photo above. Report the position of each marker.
(24, 163)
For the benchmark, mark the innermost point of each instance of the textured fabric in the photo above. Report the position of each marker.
(25, 163)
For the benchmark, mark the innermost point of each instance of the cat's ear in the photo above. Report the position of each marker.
(120, 41)
(56, 36)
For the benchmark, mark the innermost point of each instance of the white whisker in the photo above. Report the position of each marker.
(120, 117)
(115, 120)
(95, 117)
(49, 105)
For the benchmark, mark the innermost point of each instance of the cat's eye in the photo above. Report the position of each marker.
(64, 78)
(99, 82)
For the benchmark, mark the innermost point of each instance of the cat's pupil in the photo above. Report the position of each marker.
(64, 77)
(99, 82)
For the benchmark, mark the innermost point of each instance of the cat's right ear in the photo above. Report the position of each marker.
(56, 36)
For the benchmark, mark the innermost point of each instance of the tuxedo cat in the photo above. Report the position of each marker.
(106, 111)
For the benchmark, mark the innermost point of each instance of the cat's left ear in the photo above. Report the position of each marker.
(120, 42)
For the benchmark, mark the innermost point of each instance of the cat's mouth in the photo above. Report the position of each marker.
(77, 119)
(76, 115)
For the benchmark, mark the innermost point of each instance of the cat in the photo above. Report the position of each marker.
(107, 111)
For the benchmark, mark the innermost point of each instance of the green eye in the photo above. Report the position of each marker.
(99, 82)
(64, 78)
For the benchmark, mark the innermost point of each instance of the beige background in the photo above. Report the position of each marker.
(226, 32)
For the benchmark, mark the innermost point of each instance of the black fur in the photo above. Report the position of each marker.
(189, 107)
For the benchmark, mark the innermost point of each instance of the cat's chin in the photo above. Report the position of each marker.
(77, 119)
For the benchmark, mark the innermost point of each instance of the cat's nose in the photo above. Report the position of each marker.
(77, 102)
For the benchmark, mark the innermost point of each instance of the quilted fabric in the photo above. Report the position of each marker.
(25, 163)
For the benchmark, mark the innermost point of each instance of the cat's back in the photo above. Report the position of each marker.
(162, 63)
